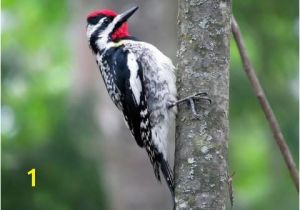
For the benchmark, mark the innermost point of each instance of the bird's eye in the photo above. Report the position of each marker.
(106, 21)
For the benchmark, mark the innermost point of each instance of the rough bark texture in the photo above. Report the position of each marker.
(201, 144)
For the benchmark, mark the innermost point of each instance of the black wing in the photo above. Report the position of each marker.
(132, 106)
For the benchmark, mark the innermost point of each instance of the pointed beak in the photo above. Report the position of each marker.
(123, 17)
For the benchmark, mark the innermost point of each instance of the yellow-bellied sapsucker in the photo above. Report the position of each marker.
(140, 81)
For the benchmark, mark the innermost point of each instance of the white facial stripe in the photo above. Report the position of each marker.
(109, 29)
(92, 28)
(103, 36)
(116, 19)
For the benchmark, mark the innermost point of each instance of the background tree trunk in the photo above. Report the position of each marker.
(201, 144)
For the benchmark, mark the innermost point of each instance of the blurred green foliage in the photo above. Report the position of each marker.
(40, 126)
(270, 30)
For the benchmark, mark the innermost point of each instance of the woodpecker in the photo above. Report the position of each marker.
(140, 81)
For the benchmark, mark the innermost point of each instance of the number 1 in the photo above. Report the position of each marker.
(32, 173)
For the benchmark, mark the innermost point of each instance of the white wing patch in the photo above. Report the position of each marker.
(135, 82)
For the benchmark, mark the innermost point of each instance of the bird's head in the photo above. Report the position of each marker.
(108, 25)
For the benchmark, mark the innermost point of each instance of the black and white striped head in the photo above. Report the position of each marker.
(106, 25)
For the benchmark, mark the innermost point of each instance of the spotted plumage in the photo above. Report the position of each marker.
(140, 81)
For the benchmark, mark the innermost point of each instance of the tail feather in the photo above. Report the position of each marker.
(159, 162)
(167, 173)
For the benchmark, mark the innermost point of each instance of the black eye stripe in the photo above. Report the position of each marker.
(94, 20)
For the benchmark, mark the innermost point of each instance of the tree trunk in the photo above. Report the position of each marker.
(201, 144)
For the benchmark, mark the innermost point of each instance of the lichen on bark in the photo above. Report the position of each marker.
(201, 144)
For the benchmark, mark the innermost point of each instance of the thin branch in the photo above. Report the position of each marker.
(277, 134)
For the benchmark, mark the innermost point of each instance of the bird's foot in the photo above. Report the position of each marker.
(191, 99)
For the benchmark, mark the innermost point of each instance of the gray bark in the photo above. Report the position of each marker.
(201, 144)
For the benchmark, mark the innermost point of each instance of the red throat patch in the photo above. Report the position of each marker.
(121, 32)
